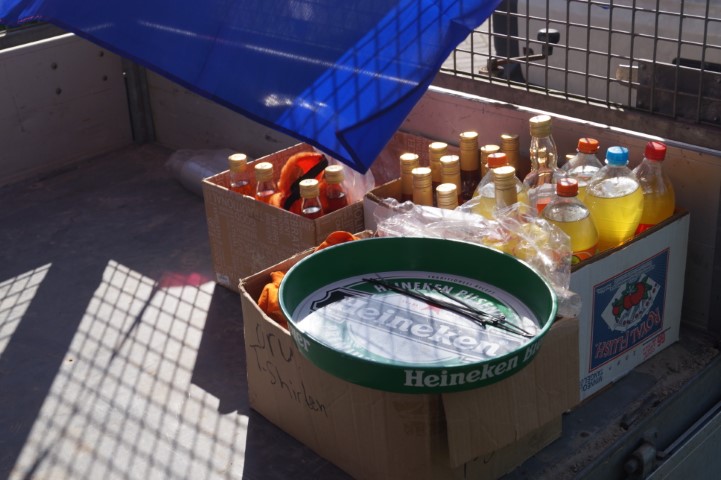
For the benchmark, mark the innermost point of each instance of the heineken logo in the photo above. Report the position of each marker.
(371, 322)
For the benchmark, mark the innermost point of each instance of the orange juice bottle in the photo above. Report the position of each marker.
(569, 214)
(659, 199)
(584, 164)
(615, 199)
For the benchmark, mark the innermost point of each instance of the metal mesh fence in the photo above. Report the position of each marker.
(657, 56)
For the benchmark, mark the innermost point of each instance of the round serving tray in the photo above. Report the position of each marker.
(384, 313)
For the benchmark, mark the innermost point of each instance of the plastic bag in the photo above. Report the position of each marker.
(356, 184)
(515, 230)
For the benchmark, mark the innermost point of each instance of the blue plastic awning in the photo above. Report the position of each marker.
(339, 74)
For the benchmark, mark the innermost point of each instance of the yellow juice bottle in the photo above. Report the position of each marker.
(659, 200)
(584, 165)
(615, 200)
(571, 215)
(485, 193)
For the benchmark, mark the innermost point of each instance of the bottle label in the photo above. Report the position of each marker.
(585, 254)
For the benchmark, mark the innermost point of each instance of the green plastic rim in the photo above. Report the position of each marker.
(401, 254)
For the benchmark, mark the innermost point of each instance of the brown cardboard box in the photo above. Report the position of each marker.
(374, 435)
(247, 236)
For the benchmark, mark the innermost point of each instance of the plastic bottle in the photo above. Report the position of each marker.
(265, 184)
(240, 179)
(569, 214)
(584, 165)
(451, 173)
(615, 199)
(544, 172)
(334, 193)
(447, 196)
(422, 186)
(310, 206)
(486, 190)
(409, 161)
(470, 157)
(659, 199)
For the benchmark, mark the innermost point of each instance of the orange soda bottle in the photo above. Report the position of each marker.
(659, 199)
(569, 214)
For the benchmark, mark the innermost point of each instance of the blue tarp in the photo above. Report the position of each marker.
(339, 74)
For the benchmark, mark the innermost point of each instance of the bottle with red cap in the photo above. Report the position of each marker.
(486, 190)
(569, 214)
(659, 199)
(584, 164)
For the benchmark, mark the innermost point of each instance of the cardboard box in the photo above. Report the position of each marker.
(612, 342)
(247, 236)
(610, 346)
(374, 435)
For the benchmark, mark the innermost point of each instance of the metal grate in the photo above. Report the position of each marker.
(662, 57)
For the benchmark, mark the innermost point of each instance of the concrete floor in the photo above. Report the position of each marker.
(121, 359)
(119, 356)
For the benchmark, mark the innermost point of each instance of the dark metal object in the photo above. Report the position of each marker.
(548, 36)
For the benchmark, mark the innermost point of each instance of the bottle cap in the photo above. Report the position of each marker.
(509, 141)
(237, 161)
(567, 187)
(334, 174)
(450, 163)
(655, 151)
(469, 139)
(540, 126)
(263, 171)
(421, 177)
(447, 194)
(437, 147)
(408, 159)
(496, 160)
(309, 188)
(588, 145)
(504, 175)
(617, 156)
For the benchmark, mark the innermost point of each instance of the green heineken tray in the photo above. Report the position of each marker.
(361, 311)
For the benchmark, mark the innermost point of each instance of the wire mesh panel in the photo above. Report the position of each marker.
(657, 56)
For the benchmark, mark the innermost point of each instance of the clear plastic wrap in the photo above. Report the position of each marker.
(515, 230)
(356, 184)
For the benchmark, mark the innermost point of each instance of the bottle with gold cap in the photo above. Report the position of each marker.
(310, 206)
(584, 165)
(541, 180)
(470, 164)
(435, 151)
(451, 172)
(485, 151)
(511, 145)
(504, 179)
(447, 196)
(422, 186)
(486, 191)
(240, 179)
(265, 184)
(334, 192)
(409, 161)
